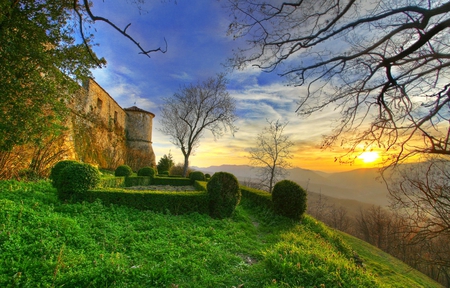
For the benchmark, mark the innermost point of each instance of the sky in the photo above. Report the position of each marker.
(197, 48)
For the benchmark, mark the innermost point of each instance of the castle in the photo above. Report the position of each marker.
(102, 133)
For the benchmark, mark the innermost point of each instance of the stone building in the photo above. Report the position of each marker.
(104, 134)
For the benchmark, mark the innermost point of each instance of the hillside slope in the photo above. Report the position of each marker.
(48, 243)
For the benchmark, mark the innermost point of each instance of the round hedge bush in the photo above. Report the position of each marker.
(289, 199)
(197, 175)
(147, 171)
(56, 170)
(76, 179)
(223, 194)
(207, 176)
(123, 170)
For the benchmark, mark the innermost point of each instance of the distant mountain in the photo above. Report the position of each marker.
(363, 185)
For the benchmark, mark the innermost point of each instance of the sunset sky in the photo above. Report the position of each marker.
(197, 47)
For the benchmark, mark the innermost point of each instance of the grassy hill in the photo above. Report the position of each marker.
(49, 244)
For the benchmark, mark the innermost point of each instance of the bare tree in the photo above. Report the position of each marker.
(385, 64)
(195, 109)
(421, 192)
(271, 152)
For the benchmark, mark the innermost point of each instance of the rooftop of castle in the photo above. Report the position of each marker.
(137, 109)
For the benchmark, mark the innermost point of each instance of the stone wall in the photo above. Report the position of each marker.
(106, 135)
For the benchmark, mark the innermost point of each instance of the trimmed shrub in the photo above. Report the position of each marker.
(257, 197)
(123, 170)
(56, 170)
(197, 175)
(147, 171)
(223, 195)
(207, 176)
(138, 181)
(163, 173)
(289, 199)
(77, 179)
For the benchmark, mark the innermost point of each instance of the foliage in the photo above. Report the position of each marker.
(195, 109)
(223, 194)
(200, 185)
(178, 169)
(147, 171)
(159, 201)
(257, 197)
(289, 199)
(271, 151)
(123, 170)
(138, 181)
(207, 175)
(383, 65)
(197, 176)
(56, 170)
(90, 244)
(39, 62)
(165, 163)
(111, 181)
(76, 179)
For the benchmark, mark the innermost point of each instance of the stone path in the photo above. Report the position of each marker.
(162, 188)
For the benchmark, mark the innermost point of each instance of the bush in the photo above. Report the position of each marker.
(289, 199)
(77, 179)
(163, 173)
(177, 170)
(56, 170)
(123, 170)
(147, 171)
(207, 176)
(197, 175)
(223, 194)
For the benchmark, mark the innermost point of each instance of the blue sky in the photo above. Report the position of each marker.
(198, 47)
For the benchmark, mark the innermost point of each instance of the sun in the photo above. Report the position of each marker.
(369, 157)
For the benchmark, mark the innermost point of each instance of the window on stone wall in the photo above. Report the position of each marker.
(115, 116)
(99, 104)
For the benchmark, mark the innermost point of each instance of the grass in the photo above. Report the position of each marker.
(49, 244)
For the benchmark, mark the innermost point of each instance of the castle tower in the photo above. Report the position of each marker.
(138, 125)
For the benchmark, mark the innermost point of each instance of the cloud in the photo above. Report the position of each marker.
(182, 76)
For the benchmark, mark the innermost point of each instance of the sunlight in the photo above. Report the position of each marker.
(369, 157)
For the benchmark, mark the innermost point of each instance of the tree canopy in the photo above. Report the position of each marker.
(42, 63)
(385, 64)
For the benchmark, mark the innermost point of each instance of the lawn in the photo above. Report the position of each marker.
(47, 243)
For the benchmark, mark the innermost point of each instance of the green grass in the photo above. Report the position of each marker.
(49, 244)
(390, 269)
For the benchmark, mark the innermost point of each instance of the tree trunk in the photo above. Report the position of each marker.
(186, 165)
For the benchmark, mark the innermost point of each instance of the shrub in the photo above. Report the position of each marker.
(56, 170)
(77, 179)
(177, 170)
(147, 171)
(289, 199)
(123, 170)
(197, 176)
(223, 194)
(163, 173)
(207, 176)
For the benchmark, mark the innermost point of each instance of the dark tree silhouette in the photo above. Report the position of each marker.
(385, 64)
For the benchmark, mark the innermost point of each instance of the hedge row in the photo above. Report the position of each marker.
(175, 203)
(112, 182)
(258, 197)
(119, 182)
